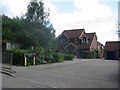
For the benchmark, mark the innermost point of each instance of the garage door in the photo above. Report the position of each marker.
(110, 54)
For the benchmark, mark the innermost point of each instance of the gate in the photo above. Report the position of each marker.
(7, 62)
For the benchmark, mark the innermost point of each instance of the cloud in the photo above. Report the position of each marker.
(91, 15)
(14, 7)
(92, 9)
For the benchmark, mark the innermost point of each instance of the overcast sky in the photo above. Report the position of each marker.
(98, 16)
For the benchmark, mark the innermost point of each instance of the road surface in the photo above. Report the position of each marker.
(76, 74)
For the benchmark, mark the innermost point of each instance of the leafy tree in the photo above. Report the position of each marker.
(36, 12)
(32, 29)
(9, 28)
(41, 27)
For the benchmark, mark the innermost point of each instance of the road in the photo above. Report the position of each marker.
(12, 82)
(81, 74)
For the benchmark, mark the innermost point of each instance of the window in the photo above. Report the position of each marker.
(84, 40)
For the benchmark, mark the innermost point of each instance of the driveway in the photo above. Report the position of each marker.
(79, 73)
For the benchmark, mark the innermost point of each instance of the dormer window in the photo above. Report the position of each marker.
(84, 40)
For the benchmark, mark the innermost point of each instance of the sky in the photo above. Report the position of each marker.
(100, 16)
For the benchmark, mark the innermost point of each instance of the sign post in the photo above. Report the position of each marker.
(34, 60)
(25, 61)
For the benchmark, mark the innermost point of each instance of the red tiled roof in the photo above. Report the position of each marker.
(90, 37)
(75, 33)
(79, 33)
(112, 45)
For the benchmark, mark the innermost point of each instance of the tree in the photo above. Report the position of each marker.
(36, 12)
(10, 27)
(42, 29)
(32, 29)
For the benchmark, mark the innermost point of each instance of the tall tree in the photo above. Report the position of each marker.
(32, 29)
(36, 12)
(41, 27)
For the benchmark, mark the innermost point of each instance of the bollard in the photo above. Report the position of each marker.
(25, 61)
(33, 60)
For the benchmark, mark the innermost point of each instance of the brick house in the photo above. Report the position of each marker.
(77, 41)
(112, 50)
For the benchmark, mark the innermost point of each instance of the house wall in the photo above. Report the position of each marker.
(94, 44)
(62, 42)
(9, 46)
(70, 50)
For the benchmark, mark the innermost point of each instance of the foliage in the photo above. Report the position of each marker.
(18, 57)
(49, 59)
(90, 54)
(32, 29)
(58, 57)
(68, 57)
(37, 12)
(97, 55)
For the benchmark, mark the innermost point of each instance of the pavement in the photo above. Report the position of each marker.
(79, 73)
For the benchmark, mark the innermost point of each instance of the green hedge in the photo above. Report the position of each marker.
(58, 57)
(18, 57)
(90, 54)
(49, 59)
(68, 57)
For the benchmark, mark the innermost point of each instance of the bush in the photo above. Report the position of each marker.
(18, 57)
(90, 54)
(97, 55)
(68, 57)
(49, 59)
(40, 60)
(58, 57)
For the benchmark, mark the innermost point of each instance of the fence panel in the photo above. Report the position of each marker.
(7, 62)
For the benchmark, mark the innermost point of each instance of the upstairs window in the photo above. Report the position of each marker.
(84, 40)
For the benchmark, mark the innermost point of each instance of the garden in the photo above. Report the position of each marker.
(22, 57)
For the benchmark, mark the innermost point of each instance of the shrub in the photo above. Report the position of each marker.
(18, 57)
(58, 57)
(40, 60)
(68, 57)
(90, 54)
(97, 55)
(49, 59)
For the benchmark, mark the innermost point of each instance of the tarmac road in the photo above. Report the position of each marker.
(12, 82)
(72, 74)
